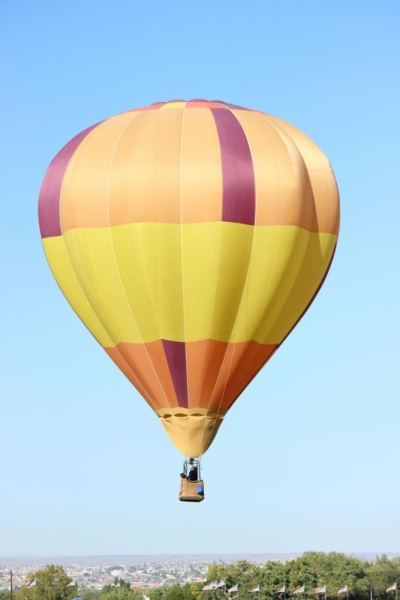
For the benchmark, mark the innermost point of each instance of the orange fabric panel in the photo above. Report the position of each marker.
(168, 157)
(283, 189)
(121, 363)
(323, 182)
(229, 368)
(147, 170)
(201, 168)
(84, 190)
(148, 364)
(244, 367)
(203, 357)
(134, 174)
(136, 155)
(159, 360)
(233, 356)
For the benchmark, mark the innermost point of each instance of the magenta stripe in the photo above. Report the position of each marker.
(49, 196)
(176, 358)
(238, 182)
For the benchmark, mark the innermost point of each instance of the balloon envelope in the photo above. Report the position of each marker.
(190, 238)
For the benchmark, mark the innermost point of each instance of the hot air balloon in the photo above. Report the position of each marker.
(190, 238)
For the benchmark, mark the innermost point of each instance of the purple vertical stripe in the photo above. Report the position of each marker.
(238, 182)
(176, 358)
(49, 196)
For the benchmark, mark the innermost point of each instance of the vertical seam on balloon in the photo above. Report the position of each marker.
(147, 299)
(49, 251)
(257, 372)
(222, 221)
(205, 225)
(88, 248)
(246, 285)
(321, 283)
(240, 303)
(302, 164)
(142, 288)
(73, 270)
(182, 265)
(276, 243)
(99, 321)
(151, 305)
(51, 206)
(266, 118)
(247, 276)
(156, 240)
(157, 224)
(136, 378)
(104, 303)
(115, 259)
(210, 312)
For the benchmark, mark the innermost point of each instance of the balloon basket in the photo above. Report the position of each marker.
(188, 491)
(192, 486)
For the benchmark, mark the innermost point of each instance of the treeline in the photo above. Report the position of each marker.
(365, 580)
(312, 570)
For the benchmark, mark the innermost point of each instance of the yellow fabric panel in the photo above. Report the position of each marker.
(64, 274)
(276, 258)
(216, 259)
(201, 193)
(283, 189)
(137, 259)
(84, 199)
(199, 297)
(92, 256)
(169, 290)
(236, 283)
(316, 261)
(323, 182)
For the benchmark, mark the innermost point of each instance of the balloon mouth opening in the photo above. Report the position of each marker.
(198, 413)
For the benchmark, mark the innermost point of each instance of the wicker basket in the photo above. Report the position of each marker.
(188, 491)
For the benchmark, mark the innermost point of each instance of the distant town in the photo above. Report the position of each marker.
(148, 575)
(140, 572)
(94, 572)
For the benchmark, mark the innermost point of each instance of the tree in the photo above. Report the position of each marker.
(122, 592)
(312, 569)
(382, 574)
(188, 591)
(51, 584)
(90, 594)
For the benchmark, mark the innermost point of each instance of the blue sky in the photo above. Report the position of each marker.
(85, 466)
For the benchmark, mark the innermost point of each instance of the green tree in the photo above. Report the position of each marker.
(122, 592)
(89, 594)
(51, 584)
(312, 569)
(383, 573)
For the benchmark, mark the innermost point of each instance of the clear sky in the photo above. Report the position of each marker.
(85, 465)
